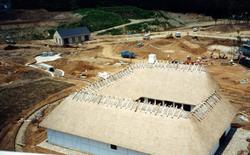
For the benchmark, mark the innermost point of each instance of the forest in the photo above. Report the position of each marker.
(215, 8)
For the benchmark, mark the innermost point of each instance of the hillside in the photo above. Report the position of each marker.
(216, 8)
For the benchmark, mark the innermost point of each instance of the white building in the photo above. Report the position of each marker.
(71, 36)
(158, 109)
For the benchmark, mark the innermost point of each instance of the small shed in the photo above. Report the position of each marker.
(71, 36)
(245, 49)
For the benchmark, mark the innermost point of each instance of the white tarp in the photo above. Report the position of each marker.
(42, 58)
(103, 75)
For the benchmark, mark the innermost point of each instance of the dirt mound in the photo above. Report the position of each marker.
(162, 42)
(73, 67)
(141, 52)
(195, 51)
(30, 74)
(40, 14)
(14, 99)
(229, 28)
(190, 45)
(12, 47)
(180, 48)
(174, 49)
(229, 79)
(10, 71)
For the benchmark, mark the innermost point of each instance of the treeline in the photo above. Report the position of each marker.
(215, 8)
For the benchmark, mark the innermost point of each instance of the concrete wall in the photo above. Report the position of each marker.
(83, 38)
(217, 145)
(215, 148)
(86, 145)
(70, 40)
(79, 38)
(57, 38)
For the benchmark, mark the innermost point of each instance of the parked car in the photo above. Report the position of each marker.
(195, 29)
(147, 36)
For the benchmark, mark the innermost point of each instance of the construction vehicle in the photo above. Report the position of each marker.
(178, 34)
(139, 44)
(127, 54)
(147, 36)
(169, 36)
(9, 40)
(195, 29)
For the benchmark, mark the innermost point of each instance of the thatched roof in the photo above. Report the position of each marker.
(91, 114)
(172, 85)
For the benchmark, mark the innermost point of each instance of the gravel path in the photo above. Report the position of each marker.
(132, 21)
(20, 137)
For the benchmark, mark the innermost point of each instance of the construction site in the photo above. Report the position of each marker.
(177, 91)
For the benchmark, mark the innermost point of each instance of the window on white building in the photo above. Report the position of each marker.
(114, 147)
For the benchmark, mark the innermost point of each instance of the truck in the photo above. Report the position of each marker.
(178, 34)
(127, 54)
(147, 36)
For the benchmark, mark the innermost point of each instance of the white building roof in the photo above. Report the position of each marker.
(93, 113)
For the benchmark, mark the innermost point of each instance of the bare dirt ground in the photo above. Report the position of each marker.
(29, 18)
(229, 79)
(228, 28)
(19, 96)
(36, 134)
(30, 24)
(11, 72)
(18, 99)
(103, 54)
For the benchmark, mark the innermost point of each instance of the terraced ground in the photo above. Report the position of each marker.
(22, 95)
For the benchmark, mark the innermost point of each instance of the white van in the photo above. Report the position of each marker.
(177, 34)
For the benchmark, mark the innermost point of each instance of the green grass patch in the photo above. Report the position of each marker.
(105, 17)
(51, 33)
(97, 19)
(137, 28)
(37, 36)
(154, 25)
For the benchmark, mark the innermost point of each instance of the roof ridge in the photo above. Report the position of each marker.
(89, 93)
(201, 110)
(69, 32)
(64, 28)
(129, 104)
(96, 86)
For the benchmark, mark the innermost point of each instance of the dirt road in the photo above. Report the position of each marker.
(132, 21)
(109, 52)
